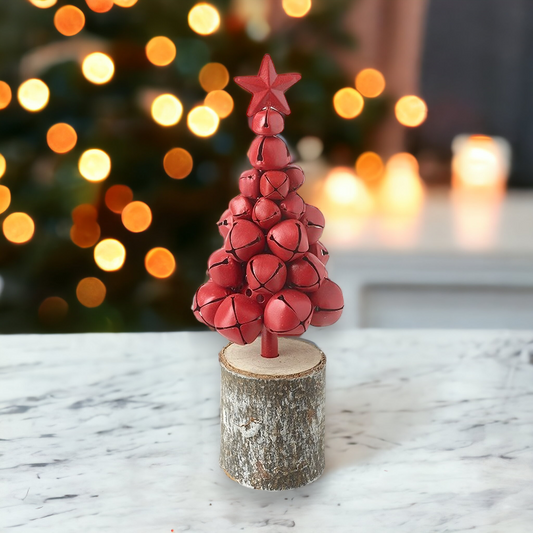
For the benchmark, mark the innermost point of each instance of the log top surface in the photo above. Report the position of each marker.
(296, 358)
(426, 431)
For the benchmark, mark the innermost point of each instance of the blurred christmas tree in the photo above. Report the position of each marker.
(41, 288)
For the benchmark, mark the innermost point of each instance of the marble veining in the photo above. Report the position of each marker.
(427, 431)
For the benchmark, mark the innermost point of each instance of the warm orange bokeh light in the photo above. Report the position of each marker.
(160, 263)
(166, 110)
(100, 6)
(3, 165)
(52, 310)
(94, 165)
(411, 111)
(178, 163)
(125, 3)
(204, 19)
(369, 166)
(348, 103)
(85, 234)
(136, 217)
(69, 20)
(213, 77)
(343, 190)
(18, 228)
(90, 292)
(118, 197)
(33, 95)
(160, 51)
(110, 255)
(401, 192)
(202, 121)
(5, 198)
(296, 8)
(220, 102)
(5, 94)
(43, 4)
(84, 212)
(98, 68)
(370, 82)
(61, 138)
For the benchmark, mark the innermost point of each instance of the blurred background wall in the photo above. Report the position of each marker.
(422, 226)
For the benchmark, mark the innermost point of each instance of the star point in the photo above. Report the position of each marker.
(268, 88)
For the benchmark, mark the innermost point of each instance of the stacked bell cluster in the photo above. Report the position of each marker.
(271, 270)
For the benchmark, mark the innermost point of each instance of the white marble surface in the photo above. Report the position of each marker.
(427, 432)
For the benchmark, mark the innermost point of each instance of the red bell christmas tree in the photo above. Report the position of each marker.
(270, 277)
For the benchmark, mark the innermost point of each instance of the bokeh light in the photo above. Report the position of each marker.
(3, 165)
(33, 95)
(204, 19)
(136, 217)
(401, 192)
(348, 103)
(341, 186)
(91, 292)
(18, 228)
(411, 111)
(5, 198)
(61, 138)
(109, 255)
(178, 163)
(369, 166)
(167, 110)
(94, 165)
(69, 20)
(125, 3)
(43, 4)
(5, 94)
(220, 102)
(296, 8)
(100, 6)
(213, 77)
(118, 197)
(85, 232)
(202, 121)
(52, 310)
(160, 51)
(98, 68)
(370, 82)
(160, 263)
(310, 148)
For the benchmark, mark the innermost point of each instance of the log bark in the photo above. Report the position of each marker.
(273, 415)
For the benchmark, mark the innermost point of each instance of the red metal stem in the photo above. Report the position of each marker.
(269, 344)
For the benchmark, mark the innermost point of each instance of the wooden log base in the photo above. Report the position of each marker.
(272, 415)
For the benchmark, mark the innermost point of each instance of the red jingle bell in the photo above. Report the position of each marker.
(314, 222)
(224, 270)
(241, 207)
(249, 183)
(274, 185)
(239, 319)
(261, 299)
(306, 274)
(266, 274)
(268, 122)
(288, 312)
(206, 302)
(320, 251)
(328, 303)
(292, 206)
(244, 240)
(266, 213)
(288, 240)
(296, 176)
(225, 222)
(269, 153)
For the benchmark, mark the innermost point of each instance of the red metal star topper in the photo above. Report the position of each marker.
(268, 88)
